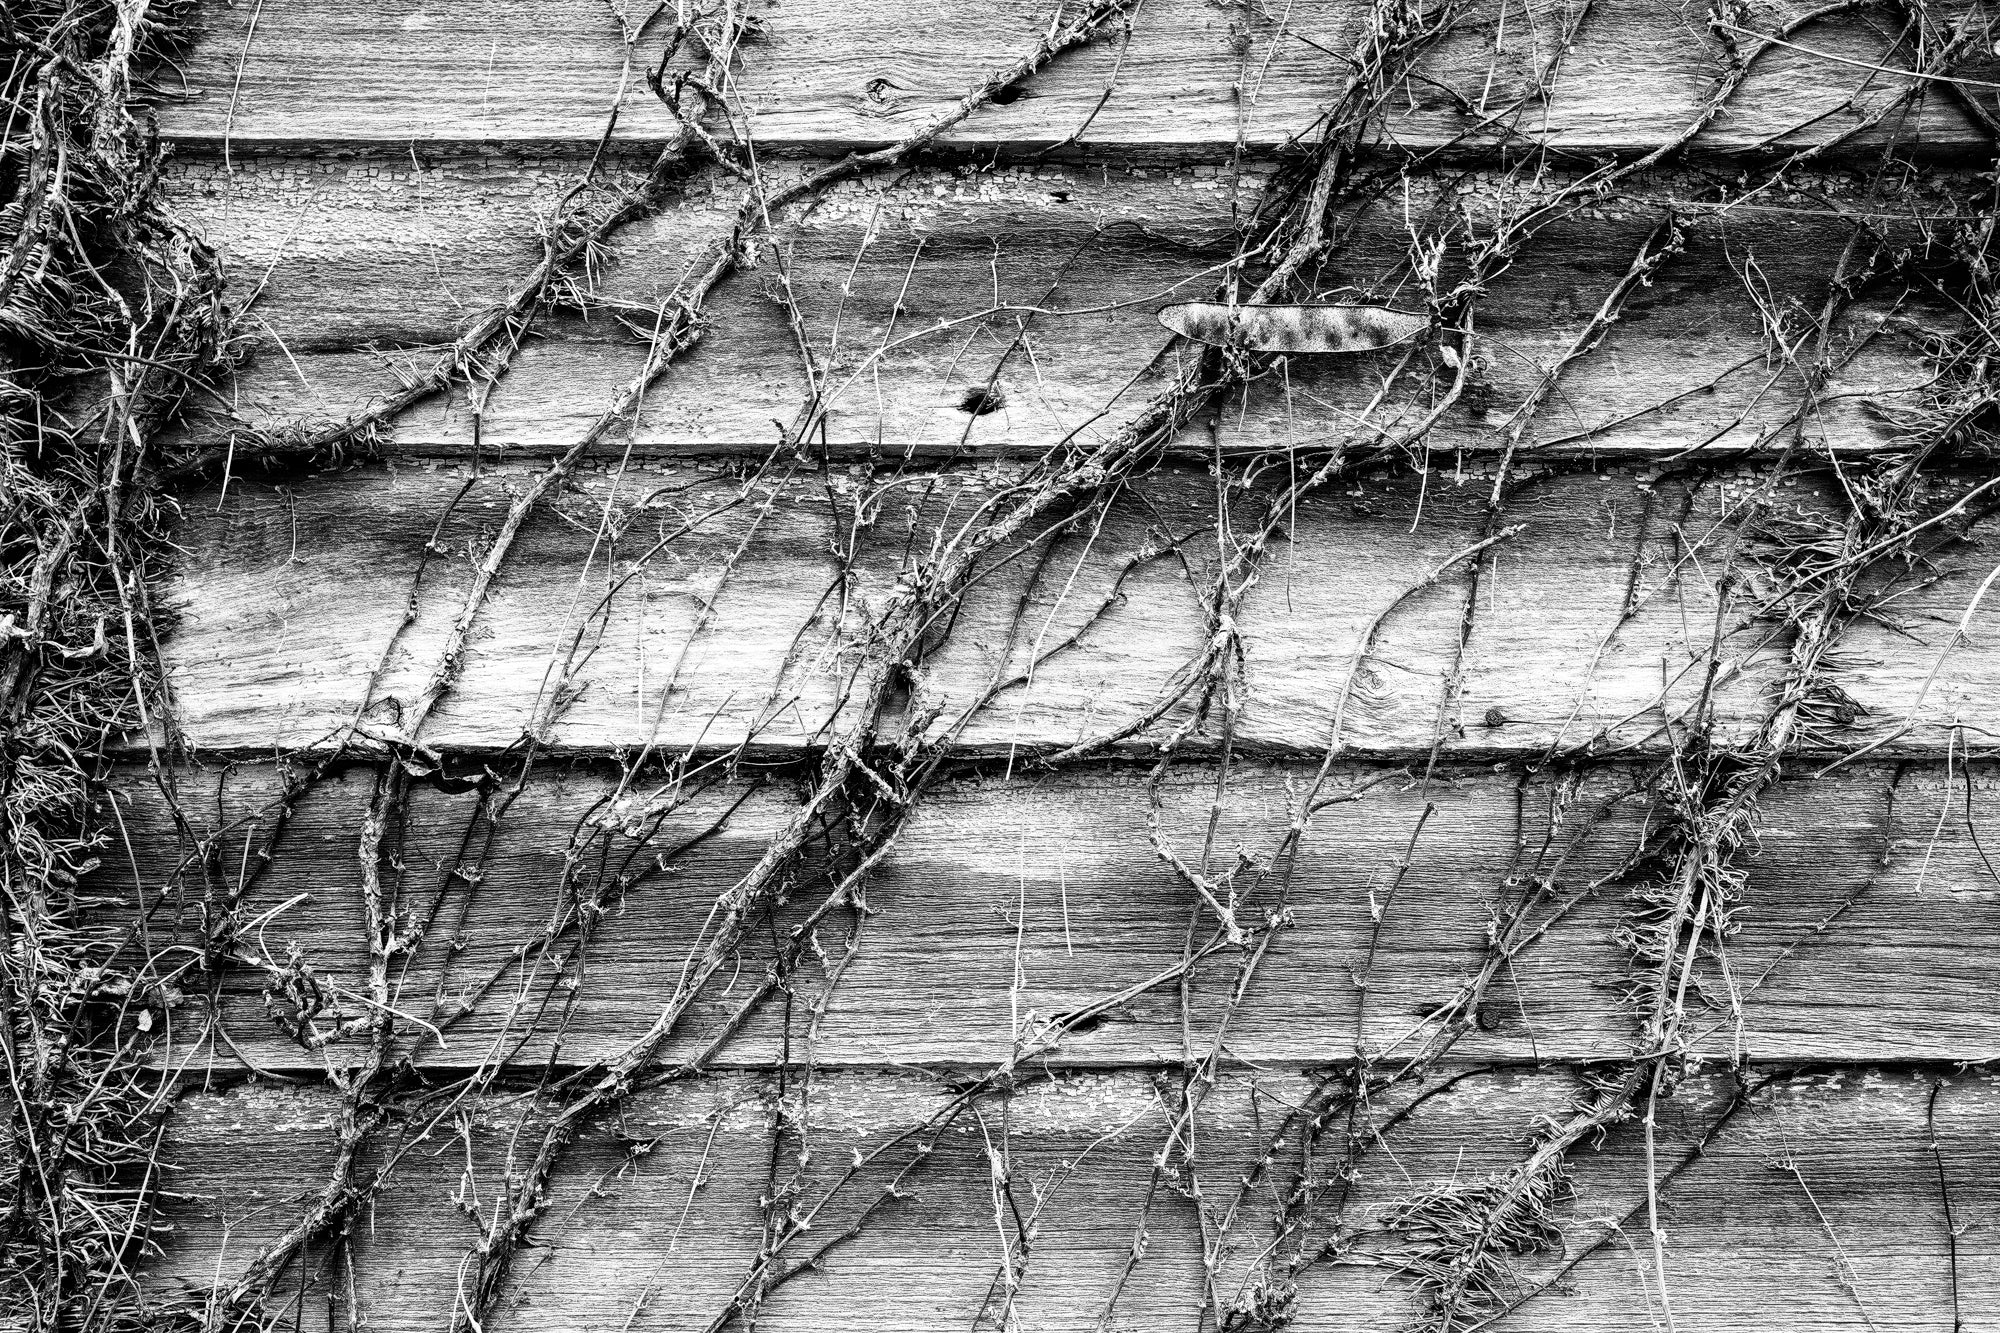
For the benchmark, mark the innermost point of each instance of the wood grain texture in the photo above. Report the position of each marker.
(1007, 904)
(1479, 695)
(287, 603)
(1818, 1202)
(1034, 288)
(1195, 77)
(678, 606)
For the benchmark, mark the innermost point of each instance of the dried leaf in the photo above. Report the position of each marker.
(1293, 328)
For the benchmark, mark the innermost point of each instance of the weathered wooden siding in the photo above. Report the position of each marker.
(1195, 78)
(373, 249)
(1009, 904)
(1816, 1203)
(743, 623)
(1028, 1071)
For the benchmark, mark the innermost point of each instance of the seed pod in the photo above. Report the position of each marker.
(1293, 328)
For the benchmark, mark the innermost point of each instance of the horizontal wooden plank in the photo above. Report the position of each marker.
(1030, 293)
(1008, 904)
(679, 605)
(1823, 1203)
(1194, 76)
(740, 627)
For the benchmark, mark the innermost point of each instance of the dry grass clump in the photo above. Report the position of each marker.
(111, 322)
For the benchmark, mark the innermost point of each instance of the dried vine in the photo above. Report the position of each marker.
(102, 352)
(111, 324)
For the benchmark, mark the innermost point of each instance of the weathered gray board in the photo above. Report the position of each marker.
(685, 605)
(1036, 284)
(1196, 77)
(375, 173)
(1822, 1204)
(1009, 903)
